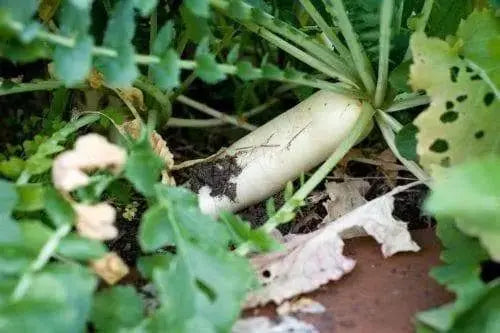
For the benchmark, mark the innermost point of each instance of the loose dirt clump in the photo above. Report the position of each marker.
(216, 174)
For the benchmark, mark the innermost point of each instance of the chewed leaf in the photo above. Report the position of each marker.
(314, 259)
(462, 120)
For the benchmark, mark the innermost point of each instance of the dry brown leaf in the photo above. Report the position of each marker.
(344, 197)
(389, 165)
(96, 221)
(159, 145)
(95, 79)
(313, 259)
(110, 268)
(286, 324)
(91, 152)
(133, 96)
(302, 305)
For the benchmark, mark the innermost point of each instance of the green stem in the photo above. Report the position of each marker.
(388, 125)
(329, 32)
(153, 31)
(361, 62)
(317, 56)
(143, 84)
(426, 13)
(44, 256)
(408, 101)
(30, 86)
(350, 140)
(385, 47)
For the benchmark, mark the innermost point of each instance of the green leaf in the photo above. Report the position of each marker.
(120, 71)
(58, 208)
(242, 232)
(35, 235)
(197, 27)
(480, 33)
(145, 6)
(207, 69)
(73, 64)
(23, 13)
(233, 54)
(246, 71)
(198, 7)
(406, 142)
(146, 265)
(117, 309)
(11, 234)
(183, 209)
(81, 248)
(155, 231)
(143, 165)
(272, 72)
(446, 16)
(164, 39)
(399, 77)
(31, 197)
(12, 167)
(460, 124)
(471, 194)
(461, 274)
(167, 74)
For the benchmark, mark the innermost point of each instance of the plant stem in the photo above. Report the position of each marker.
(385, 46)
(426, 13)
(153, 31)
(317, 56)
(408, 101)
(361, 62)
(214, 113)
(43, 257)
(388, 126)
(30, 86)
(323, 171)
(330, 34)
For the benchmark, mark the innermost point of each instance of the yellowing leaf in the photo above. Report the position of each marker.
(110, 268)
(462, 120)
(91, 152)
(314, 259)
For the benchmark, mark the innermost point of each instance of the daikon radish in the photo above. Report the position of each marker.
(261, 163)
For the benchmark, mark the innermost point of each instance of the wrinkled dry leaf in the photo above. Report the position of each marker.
(95, 79)
(96, 221)
(287, 324)
(159, 147)
(132, 95)
(344, 197)
(389, 166)
(302, 305)
(91, 152)
(313, 259)
(110, 268)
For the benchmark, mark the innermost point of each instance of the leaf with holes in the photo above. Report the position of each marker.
(462, 120)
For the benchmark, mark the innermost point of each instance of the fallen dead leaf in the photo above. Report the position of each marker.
(96, 221)
(159, 145)
(133, 96)
(344, 197)
(389, 166)
(110, 268)
(313, 259)
(91, 152)
(95, 79)
(286, 324)
(302, 305)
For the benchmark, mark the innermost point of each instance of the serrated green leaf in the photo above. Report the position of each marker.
(477, 208)
(31, 197)
(81, 248)
(460, 123)
(246, 71)
(406, 142)
(198, 7)
(208, 70)
(164, 39)
(143, 165)
(197, 27)
(272, 72)
(242, 232)
(11, 234)
(117, 309)
(58, 208)
(73, 64)
(20, 13)
(167, 74)
(480, 33)
(155, 231)
(122, 70)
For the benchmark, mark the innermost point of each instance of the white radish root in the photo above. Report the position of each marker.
(296, 141)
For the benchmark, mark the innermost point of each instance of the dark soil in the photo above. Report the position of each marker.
(215, 174)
